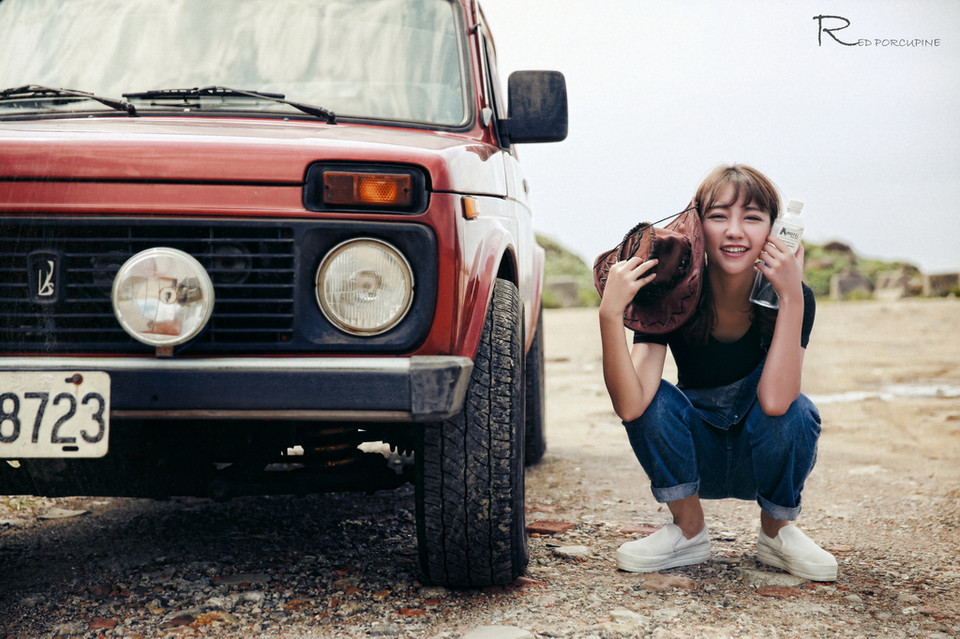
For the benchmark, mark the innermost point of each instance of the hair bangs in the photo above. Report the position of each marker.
(748, 184)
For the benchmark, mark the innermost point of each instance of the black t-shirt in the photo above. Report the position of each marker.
(719, 363)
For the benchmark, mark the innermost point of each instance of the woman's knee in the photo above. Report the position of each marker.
(802, 419)
(804, 413)
(666, 414)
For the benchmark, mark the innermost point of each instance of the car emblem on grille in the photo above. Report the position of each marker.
(43, 268)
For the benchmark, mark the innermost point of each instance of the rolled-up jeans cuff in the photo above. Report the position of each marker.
(781, 513)
(675, 493)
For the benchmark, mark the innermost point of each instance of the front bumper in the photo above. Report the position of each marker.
(354, 389)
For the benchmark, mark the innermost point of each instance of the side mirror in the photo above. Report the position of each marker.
(538, 107)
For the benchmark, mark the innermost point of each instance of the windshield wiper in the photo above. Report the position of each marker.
(218, 91)
(32, 91)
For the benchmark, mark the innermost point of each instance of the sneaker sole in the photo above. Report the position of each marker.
(686, 557)
(811, 572)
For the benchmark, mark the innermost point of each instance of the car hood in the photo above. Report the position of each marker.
(234, 150)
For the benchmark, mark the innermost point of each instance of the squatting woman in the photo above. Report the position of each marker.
(735, 424)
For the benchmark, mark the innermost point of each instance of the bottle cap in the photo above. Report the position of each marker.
(794, 206)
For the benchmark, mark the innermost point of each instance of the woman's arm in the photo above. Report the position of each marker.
(782, 373)
(632, 378)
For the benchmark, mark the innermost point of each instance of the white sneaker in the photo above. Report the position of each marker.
(793, 551)
(666, 548)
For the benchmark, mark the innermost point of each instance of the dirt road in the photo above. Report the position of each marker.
(885, 498)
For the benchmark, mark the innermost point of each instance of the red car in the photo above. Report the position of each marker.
(273, 246)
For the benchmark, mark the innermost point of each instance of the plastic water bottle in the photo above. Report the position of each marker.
(789, 228)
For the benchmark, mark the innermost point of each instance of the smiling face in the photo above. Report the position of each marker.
(735, 229)
(737, 206)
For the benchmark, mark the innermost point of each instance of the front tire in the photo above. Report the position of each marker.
(470, 468)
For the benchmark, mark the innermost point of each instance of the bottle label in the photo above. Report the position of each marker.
(789, 234)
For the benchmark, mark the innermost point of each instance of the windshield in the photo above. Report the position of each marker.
(382, 59)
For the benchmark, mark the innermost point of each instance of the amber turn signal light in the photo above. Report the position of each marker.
(471, 208)
(365, 188)
(359, 189)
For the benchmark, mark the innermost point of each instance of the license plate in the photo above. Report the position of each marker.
(54, 414)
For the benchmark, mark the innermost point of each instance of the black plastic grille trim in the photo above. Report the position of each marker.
(252, 268)
(262, 272)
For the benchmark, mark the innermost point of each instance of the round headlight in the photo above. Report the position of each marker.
(364, 286)
(162, 297)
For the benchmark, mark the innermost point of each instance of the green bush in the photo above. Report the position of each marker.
(821, 263)
(561, 263)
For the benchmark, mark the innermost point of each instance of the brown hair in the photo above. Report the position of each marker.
(747, 181)
(757, 188)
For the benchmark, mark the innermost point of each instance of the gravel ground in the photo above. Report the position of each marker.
(885, 498)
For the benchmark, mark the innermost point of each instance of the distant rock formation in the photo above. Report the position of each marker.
(941, 284)
(850, 283)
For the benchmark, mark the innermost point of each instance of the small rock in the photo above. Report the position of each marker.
(385, 630)
(220, 603)
(498, 632)
(99, 623)
(546, 601)
(550, 527)
(69, 629)
(62, 513)
(909, 599)
(101, 591)
(780, 592)
(253, 597)
(723, 535)
(527, 582)
(180, 621)
(660, 581)
(762, 578)
(160, 575)
(668, 614)
(726, 561)
(622, 615)
(855, 599)
(573, 552)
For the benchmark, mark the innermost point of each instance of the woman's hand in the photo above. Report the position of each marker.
(783, 268)
(623, 281)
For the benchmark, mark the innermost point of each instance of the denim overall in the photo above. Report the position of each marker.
(719, 443)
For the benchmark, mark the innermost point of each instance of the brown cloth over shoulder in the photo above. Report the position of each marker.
(667, 302)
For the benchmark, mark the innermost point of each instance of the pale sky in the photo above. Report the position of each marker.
(867, 136)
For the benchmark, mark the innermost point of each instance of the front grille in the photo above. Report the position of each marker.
(252, 266)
